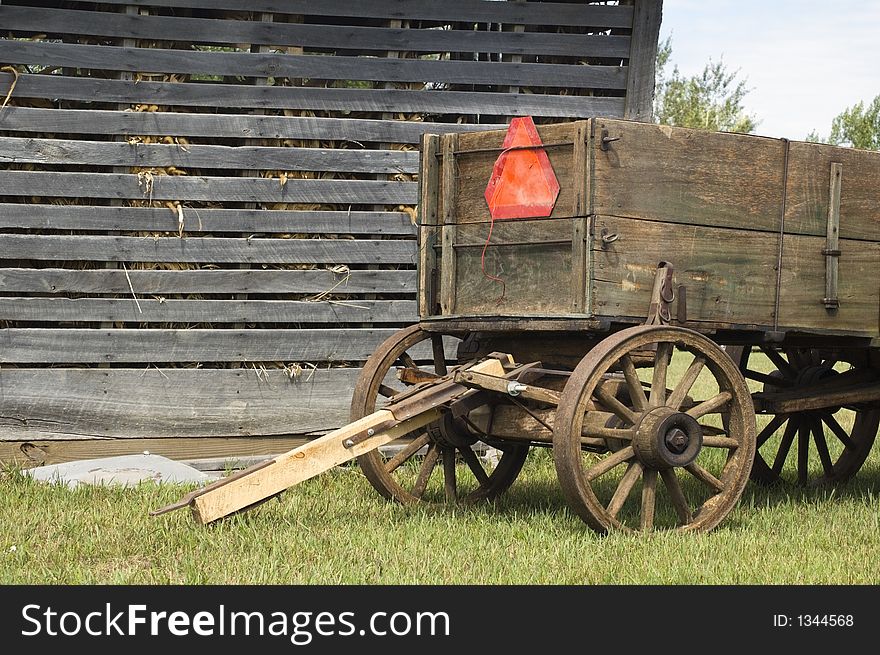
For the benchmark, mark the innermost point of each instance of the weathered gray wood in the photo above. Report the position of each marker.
(284, 97)
(802, 286)
(214, 189)
(448, 193)
(832, 238)
(84, 346)
(806, 207)
(147, 309)
(429, 216)
(316, 67)
(48, 447)
(306, 35)
(528, 13)
(206, 249)
(128, 123)
(205, 281)
(664, 173)
(642, 60)
(171, 403)
(14, 150)
(162, 219)
(728, 273)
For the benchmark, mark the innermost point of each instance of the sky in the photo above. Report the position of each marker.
(804, 61)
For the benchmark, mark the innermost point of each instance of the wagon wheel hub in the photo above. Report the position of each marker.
(666, 438)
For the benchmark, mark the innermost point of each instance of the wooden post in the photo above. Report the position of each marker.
(642, 60)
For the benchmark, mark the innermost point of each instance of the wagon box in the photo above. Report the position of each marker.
(750, 224)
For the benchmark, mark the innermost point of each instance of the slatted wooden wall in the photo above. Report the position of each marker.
(207, 206)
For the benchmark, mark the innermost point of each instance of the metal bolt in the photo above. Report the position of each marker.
(370, 432)
(348, 443)
(516, 388)
(676, 440)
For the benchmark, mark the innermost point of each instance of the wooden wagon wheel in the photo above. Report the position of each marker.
(668, 435)
(408, 475)
(832, 443)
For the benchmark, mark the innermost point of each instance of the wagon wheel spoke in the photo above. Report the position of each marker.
(704, 476)
(676, 398)
(406, 452)
(767, 379)
(449, 484)
(771, 428)
(822, 447)
(473, 462)
(649, 498)
(634, 384)
(720, 442)
(439, 354)
(425, 470)
(607, 399)
(387, 391)
(803, 451)
(780, 362)
(610, 462)
(785, 445)
(676, 495)
(407, 360)
(711, 406)
(658, 379)
(838, 431)
(624, 487)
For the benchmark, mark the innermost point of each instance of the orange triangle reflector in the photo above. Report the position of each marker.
(523, 184)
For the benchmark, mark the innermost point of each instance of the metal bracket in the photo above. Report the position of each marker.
(603, 143)
(662, 295)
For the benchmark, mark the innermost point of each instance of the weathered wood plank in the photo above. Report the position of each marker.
(207, 281)
(531, 260)
(207, 249)
(14, 150)
(802, 286)
(127, 403)
(61, 21)
(247, 126)
(474, 169)
(429, 217)
(285, 97)
(161, 310)
(728, 273)
(84, 346)
(698, 177)
(806, 208)
(642, 60)
(528, 13)
(215, 189)
(162, 219)
(47, 447)
(314, 67)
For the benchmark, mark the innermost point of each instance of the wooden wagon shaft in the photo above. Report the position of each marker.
(260, 482)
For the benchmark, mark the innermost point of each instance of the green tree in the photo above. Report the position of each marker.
(857, 126)
(711, 100)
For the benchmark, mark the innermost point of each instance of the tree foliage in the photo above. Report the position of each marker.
(857, 126)
(711, 100)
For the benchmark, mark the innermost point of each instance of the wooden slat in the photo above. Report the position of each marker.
(128, 123)
(61, 21)
(56, 280)
(802, 285)
(206, 249)
(528, 13)
(84, 346)
(213, 189)
(161, 310)
(212, 453)
(642, 60)
(664, 173)
(728, 273)
(284, 97)
(315, 67)
(131, 403)
(15, 150)
(162, 219)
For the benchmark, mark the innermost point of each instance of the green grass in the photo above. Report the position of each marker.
(334, 529)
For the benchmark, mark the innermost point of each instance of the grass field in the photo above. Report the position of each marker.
(335, 529)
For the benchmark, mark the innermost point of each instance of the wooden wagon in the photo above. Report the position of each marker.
(637, 298)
